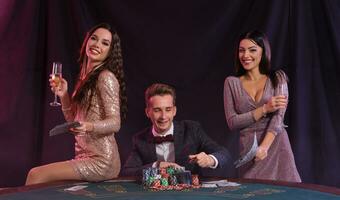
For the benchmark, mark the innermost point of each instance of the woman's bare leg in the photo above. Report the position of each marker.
(52, 172)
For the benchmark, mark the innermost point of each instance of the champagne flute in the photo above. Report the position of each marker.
(56, 75)
(282, 91)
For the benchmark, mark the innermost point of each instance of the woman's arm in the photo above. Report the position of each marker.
(61, 91)
(276, 122)
(234, 119)
(108, 87)
(262, 150)
(66, 107)
(279, 109)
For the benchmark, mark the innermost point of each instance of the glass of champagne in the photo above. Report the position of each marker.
(56, 75)
(282, 91)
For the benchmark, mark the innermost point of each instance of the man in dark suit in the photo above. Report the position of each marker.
(171, 143)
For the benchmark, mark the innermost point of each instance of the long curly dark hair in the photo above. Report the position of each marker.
(265, 64)
(114, 62)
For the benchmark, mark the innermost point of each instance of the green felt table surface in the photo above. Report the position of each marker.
(123, 190)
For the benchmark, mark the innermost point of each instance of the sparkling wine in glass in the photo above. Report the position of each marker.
(56, 75)
(282, 91)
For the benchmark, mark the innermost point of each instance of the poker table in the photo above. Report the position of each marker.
(128, 188)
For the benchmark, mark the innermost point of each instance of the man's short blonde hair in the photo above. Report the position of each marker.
(161, 90)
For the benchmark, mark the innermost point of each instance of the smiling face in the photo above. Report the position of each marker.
(249, 54)
(161, 111)
(98, 46)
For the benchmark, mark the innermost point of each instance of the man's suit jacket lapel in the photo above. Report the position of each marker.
(150, 147)
(179, 143)
(183, 147)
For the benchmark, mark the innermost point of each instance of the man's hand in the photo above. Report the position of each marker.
(164, 164)
(202, 159)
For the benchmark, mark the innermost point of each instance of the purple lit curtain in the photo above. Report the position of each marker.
(188, 44)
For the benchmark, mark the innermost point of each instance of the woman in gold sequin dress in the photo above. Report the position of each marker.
(98, 103)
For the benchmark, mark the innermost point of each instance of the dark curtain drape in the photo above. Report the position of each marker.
(188, 44)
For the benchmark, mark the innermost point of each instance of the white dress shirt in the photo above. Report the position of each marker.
(165, 151)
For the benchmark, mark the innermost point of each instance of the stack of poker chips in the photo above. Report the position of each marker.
(194, 180)
(184, 177)
(169, 178)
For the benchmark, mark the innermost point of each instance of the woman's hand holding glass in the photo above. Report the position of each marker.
(58, 87)
(56, 75)
(275, 103)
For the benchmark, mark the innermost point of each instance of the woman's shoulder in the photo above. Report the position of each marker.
(231, 79)
(107, 75)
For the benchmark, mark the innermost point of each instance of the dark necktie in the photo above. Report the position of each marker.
(159, 139)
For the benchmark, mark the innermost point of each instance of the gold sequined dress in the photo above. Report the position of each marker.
(96, 153)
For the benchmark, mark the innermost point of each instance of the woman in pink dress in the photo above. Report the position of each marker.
(98, 103)
(255, 101)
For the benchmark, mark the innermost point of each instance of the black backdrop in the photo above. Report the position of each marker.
(188, 44)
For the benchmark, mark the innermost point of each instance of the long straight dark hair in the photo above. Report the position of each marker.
(260, 39)
(113, 63)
